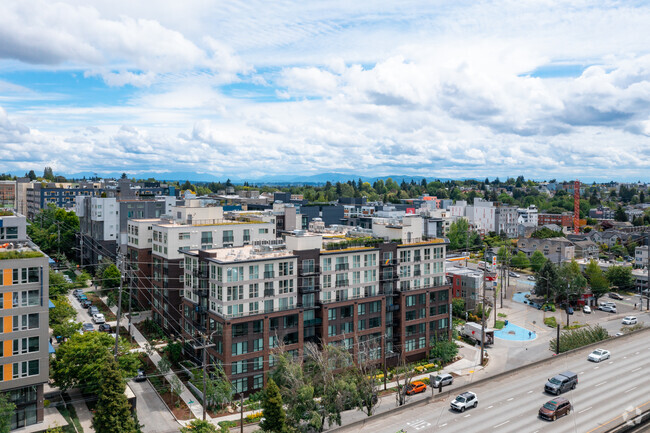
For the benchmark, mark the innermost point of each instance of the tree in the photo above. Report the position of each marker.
(113, 411)
(537, 260)
(460, 237)
(444, 350)
(124, 176)
(62, 311)
(199, 426)
(621, 277)
(596, 279)
(274, 417)
(31, 175)
(520, 260)
(81, 361)
(546, 280)
(58, 284)
(620, 215)
(458, 307)
(7, 409)
(571, 282)
(111, 278)
(65, 330)
(403, 376)
(48, 174)
(218, 389)
(55, 230)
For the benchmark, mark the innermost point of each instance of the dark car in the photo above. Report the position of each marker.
(82, 297)
(141, 376)
(555, 408)
(569, 310)
(615, 295)
(561, 382)
(86, 303)
(88, 327)
(105, 327)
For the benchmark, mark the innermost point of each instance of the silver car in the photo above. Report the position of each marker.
(442, 380)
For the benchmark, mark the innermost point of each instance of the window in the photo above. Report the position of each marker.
(308, 266)
(404, 256)
(410, 301)
(236, 273)
(369, 260)
(24, 322)
(327, 264)
(239, 348)
(410, 315)
(258, 344)
(206, 239)
(442, 309)
(327, 281)
(181, 236)
(268, 271)
(239, 329)
(263, 231)
(258, 381)
(240, 385)
(361, 325)
(253, 272)
(25, 345)
(258, 363)
(356, 261)
(409, 345)
(26, 298)
(247, 235)
(286, 268)
(239, 367)
(361, 309)
(258, 326)
(427, 254)
(286, 286)
(25, 369)
(347, 327)
(374, 307)
(253, 290)
(374, 322)
(331, 330)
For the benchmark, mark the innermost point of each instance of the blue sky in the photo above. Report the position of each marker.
(556, 89)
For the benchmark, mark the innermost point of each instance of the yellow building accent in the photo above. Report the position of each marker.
(8, 372)
(8, 301)
(8, 347)
(7, 278)
(9, 324)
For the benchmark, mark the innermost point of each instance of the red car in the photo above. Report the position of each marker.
(416, 387)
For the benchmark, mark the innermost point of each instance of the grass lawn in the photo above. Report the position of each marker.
(500, 324)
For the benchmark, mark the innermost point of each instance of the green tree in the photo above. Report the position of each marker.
(54, 230)
(58, 284)
(537, 260)
(620, 215)
(7, 409)
(62, 311)
(199, 426)
(571, 282)
(218, 389)
(48, 174)
(444, 350)
(65, 330)
(520, 260)
(596, 279)
(621, 277)
(458, 307)
(460, 237)
(81, 361)
(546, 281)
(113, 411)
(111, 278)
(31, 175)
(272, 408)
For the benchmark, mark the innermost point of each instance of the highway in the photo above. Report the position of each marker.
(604, 393)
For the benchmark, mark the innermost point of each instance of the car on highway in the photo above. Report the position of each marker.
(615, 295)
(513, 274)
(555, 408)
(561, 382)
(442, 380)
(93, 310)
(599, 355)
(87, 327)
(629, 320)
(99, 318)
(464, 401)
(105, 327)
(416, 387)
(586, 309)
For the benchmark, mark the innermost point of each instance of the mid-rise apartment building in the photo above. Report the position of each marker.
(383, 299)
(24, 355)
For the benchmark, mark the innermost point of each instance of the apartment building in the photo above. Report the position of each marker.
(8, 194)
(381, 299)
(155, 259)
(556, 250)
(505, 220)
(565, 219)
(640, 256)
(40, 195)
(24, 355)
(528, 215)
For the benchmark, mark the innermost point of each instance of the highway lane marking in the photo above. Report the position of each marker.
(489, 407)
(596, 368)
(620, 416)
(611, 362)
(582, 372)
(636, 353)
(469, 414)
(585, 410)
(636, 369)
(601, 383)
(503, 423)
(419, 424)
(631, 389)
(510, 399)
(443, 425)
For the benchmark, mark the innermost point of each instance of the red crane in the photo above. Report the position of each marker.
(576, 206)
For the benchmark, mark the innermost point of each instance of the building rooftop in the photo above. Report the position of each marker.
(19, 250)
(248, 253)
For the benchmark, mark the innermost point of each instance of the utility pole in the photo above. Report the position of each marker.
(557, 341)
(205, 366)
(383, 351)
(483, 315)
(241, 413)
(119, 304)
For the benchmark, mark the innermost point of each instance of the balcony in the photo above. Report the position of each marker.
(269, 274)
(313, 322)
(306, 270)
(342, 283)
(393, 307)
(269, 292)
(342, 266)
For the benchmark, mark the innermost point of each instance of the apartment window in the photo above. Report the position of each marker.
(236, 273)
(308, 300)
(331, 314)
(361, 309)
(327, 281)
(286, 286)
(416, 256)
(269, 271)
(24, 322)
(240, 367)
(258, 326)
(258, 363)
(253, 290)
(253, 307)
(268, 289)
(356, 277)
(258, 381)
(268, 306)
(235, 293)
(409, 345)
(405, 256)
(369, 260)
(427, 254)
(26, 298)
(263, 231)
(183, 236)
(347, 327)
(286, 303)
(361, 325)
(206, 239)
(331, 330)
(410, 301)
(308, 266)
(247, 235)
(240, 385)
(228, 237)
(25, 369)
(374, 322)
(443, 323)
(253, 272)
(286, 268)
(258, 344)
(25, 345)
(442, 309)
(239, 348)
(327, 264)
(239, 329)
(410, 315)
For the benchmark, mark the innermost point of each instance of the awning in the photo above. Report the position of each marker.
(51, 303)
(51, 348)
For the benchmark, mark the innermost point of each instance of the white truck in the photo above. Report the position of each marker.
(473, 330)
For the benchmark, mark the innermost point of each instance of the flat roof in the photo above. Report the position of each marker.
(247, 253)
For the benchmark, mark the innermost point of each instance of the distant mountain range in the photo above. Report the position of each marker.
(294, 179)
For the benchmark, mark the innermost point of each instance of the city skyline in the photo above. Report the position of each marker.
(559, 90)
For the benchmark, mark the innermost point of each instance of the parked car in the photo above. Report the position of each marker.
(513, 274)
(608, 308)
(599, 355)
(105, 327)
(442, 380)
(87, 327)
(561, 382)
(98, 318)
(416, 387)
(629, 320)
(77, 292)
(86, 303)
(92, 310)
(82, 297)
(615, 295)
(141, 376)
(555, 408)
(465, 400)
(586, 309)
(530, 278)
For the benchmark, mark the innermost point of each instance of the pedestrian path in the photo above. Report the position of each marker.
(185, 395)
(84, 415)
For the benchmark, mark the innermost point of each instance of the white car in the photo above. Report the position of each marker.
(99, 318)
(513, 274)
(609, 307)
(586, 309)
(464, 401)
(598, 355)
(531, 278)
(629, 320)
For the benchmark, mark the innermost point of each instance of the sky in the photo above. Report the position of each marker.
(451, 89)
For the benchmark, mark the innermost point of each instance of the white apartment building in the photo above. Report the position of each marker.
(528, 215)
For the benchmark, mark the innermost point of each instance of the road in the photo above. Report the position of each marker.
(510, 404)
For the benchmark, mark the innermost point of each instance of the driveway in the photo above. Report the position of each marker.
(152, 412)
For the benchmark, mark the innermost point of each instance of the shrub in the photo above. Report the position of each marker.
(576, 338)
(550, 322)
(502, 315)
(499, 324)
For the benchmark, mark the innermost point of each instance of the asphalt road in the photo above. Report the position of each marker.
(510, 404)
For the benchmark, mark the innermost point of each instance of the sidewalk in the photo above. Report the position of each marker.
(84, 415)
(186, 395)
